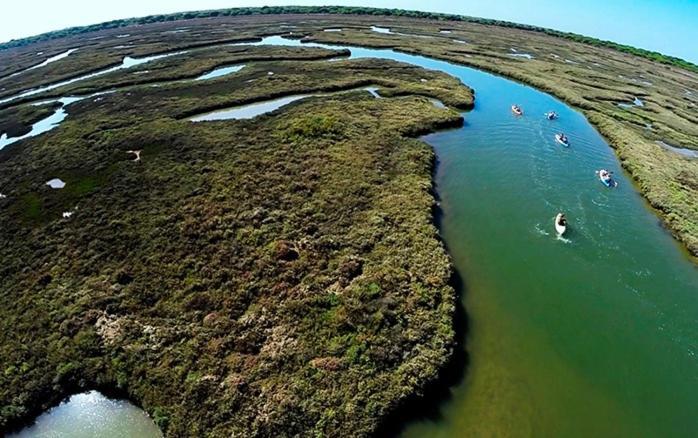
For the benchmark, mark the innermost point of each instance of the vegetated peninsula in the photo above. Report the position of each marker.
(274, 275)
(280, 275)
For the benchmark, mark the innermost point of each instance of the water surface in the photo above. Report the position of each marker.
(258, 108)
(55, 183)
(381, 29)
(53, 59)
(248, 111)
(127, 62)
(593, 335)
(221, 71)
(688, 153)
(92, 415)
(44, 125)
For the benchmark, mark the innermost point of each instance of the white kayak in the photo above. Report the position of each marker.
(559, 139)
(559, 228)
(608, 181)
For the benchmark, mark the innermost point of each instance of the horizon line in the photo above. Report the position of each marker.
(317, 10)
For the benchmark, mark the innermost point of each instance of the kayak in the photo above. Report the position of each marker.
(608, 182)
(559, 228)
(559, 140)
(551, 116)
(516, 110)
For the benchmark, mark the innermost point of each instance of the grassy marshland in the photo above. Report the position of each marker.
(593, 76)
(280, 275)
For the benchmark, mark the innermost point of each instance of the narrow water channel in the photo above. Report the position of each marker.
(127, 62)
(253, 110)
(595, 334)
(592, 335)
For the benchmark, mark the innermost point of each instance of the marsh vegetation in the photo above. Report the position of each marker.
(281, 273)
(239, 265)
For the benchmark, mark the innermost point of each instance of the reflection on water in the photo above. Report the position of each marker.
(689, 153)
(43, 125)
(256, 109)
(248, 111)
(53, 59)
(380, 29)
(55, 183)
(92, 415)
(222, 71)
(127, 62)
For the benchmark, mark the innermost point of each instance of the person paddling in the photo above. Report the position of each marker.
(560, 224)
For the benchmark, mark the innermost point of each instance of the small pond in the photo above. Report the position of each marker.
(91, 415)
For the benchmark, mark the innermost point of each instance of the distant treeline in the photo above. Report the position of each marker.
(346, 10)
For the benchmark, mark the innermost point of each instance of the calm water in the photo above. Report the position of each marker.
(221, 71)
(594, 335)
(92, 415)
(126, 63)
(256, 109)
(248, 111)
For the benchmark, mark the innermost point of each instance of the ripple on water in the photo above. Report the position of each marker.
(563, 239)
(540, 231)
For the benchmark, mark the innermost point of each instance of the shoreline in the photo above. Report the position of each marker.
(686, 240)
(406, 155)
(444, 373)
(427, 403)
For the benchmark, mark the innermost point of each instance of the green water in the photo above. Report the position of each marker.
(595, 335)
(591, 336)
